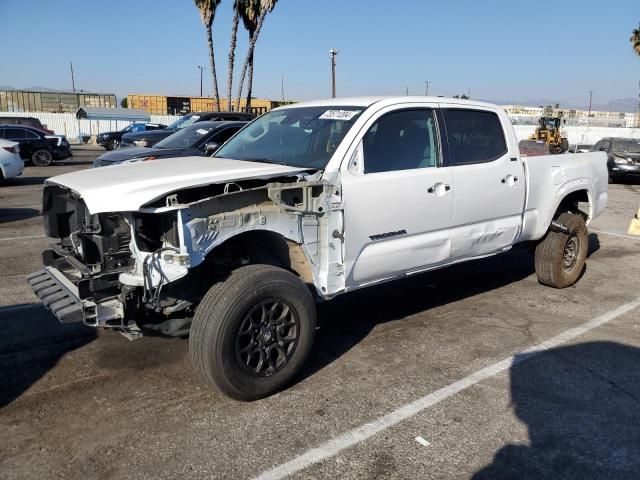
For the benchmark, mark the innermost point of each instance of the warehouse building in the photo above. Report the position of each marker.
(53, 101)
(164, 105)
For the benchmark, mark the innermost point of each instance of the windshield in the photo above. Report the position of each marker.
(183, 122)
(186, 138)
(626, 146)
(300, 137)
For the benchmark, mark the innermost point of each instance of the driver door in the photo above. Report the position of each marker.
(397, 197)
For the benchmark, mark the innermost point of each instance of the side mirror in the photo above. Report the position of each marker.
(210, 147)
(603, 149)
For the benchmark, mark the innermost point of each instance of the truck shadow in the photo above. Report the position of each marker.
(31, 344)
(18, 213)
(348, 319)
(581, 406)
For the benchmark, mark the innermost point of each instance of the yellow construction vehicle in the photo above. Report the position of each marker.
(549, 131)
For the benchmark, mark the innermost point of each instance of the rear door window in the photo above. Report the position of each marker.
(474, 136)
(15, 134)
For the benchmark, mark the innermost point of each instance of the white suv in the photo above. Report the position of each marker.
(11, 165)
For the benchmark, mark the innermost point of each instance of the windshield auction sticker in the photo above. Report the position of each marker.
(345, 115)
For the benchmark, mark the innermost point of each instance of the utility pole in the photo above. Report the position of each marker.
(426, 88)
(201, 68)
(590, 98)
(407, 91)
(333, 52)
(283, 88)
(73, 80)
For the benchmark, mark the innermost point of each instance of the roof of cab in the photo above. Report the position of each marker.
(390, 100)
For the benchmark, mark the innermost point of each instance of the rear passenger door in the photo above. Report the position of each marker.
(488, 182)
(17, 134)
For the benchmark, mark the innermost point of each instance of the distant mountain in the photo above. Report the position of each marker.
(629, 105)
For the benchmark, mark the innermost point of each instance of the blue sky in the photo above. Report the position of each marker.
(501, 50)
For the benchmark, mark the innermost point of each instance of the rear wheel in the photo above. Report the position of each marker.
(42, 158)
(253, 332)
(560, 257)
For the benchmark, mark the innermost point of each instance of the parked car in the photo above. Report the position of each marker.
(623, 157)
(11, 165)
(533, 148)
(149, 139)
(307, 202)
(201, 138)
(27, 122)
(111, 140)
(35, 145)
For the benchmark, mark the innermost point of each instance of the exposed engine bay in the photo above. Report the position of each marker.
(150, 268)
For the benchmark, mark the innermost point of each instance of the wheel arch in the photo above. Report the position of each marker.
(570, 201)
(271, 248)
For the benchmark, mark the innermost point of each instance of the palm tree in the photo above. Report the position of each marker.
(635, 40)
(238, 5)
(253, 17)
(207, 10)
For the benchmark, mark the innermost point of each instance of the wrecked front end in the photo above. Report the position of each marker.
(149, 268)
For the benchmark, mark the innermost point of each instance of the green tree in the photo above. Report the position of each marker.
(253, 15)
(635, 40)
(124, 103)
(207, 10)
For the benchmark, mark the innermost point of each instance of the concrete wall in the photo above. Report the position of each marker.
(66, 123)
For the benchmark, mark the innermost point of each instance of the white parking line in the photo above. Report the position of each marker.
(366, 431)
(630, 237)
(21, 238)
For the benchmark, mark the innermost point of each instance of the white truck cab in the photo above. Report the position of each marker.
(305, 203)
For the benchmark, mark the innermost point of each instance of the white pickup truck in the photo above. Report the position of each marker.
(307, 202)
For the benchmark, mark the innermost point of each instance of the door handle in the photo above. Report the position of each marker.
(509, 179)
(439, 189)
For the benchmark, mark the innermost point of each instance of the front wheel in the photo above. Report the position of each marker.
(560, 257)
(42, 158)
(113, 144)
(253, 332)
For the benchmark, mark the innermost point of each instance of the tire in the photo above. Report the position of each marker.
(42, 158)
(560, 257)
(227, 342)
(113, 144)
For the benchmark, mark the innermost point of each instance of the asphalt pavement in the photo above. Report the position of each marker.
(475, 371)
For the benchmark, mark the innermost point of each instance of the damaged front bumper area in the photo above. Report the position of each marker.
(61, 297)
(80, 279)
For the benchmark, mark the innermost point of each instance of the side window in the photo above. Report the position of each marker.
(31, 135)
(606, 145)
(137, 128)
(224, 135)
(15, 134)
(402, 140)
(596, 147)
(475, 136)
